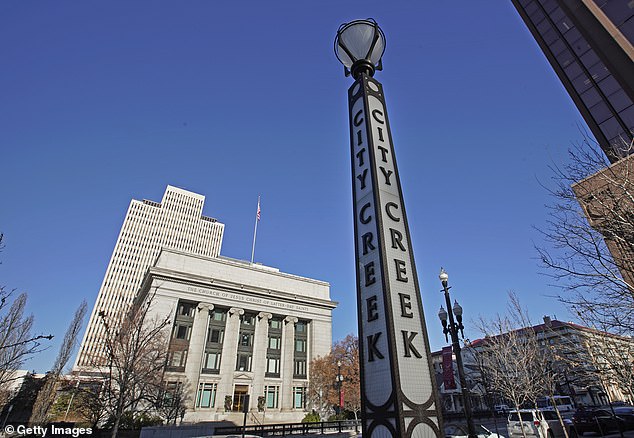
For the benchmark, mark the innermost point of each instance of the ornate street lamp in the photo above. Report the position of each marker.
(359, 46)
(339, 384)
(451, 327)
(398, 388)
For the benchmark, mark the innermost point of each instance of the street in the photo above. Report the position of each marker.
(502, 429)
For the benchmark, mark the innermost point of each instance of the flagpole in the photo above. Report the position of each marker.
(255, 231)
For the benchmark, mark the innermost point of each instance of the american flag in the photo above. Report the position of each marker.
(258, 213)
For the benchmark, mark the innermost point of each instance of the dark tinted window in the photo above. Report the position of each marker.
(550, 415)
(526, 416)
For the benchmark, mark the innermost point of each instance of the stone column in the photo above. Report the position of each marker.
(260, 344)
(197, 345)
(288, 350)
(228, 360)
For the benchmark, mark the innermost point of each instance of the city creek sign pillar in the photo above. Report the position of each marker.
(398, 391)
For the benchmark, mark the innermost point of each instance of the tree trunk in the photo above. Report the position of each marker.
(519, 416)
(561, 420)
(117, 421)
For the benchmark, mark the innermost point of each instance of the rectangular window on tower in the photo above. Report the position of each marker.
(172, 391)
(215, 339)
(245, 342)
(186, 309)
(272, 394)
(206, 397)
(183, 322)
(211, 363)
(300, 345)
(274, 350)
(243, 362)
(299, 371)
(176, 360)
(247, 319)
(215, 335)
(246, 339)
(273, 367)
(275, 342)
(300, 354)
(299, 397)
(182, 331)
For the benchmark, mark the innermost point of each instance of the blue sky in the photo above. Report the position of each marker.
(103, 102)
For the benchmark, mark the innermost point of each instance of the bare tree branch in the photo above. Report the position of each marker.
(510, 357)
(46, 396)
(17, 344)
(589, 238)
(173, 400)
(136, 353)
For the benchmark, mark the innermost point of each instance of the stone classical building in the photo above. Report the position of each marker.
(242, 334)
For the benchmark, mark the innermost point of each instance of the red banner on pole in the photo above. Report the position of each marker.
(341, 398)
(447, 368)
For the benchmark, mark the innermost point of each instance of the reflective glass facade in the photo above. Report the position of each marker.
(589, 45)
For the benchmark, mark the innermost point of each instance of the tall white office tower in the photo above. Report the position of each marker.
(174, 223)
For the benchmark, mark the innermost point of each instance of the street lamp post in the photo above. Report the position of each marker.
(452, 328)
(339, 384)
(398, 387)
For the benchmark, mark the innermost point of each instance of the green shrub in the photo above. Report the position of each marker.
(340, 417)
(311, 417)
(129, 422)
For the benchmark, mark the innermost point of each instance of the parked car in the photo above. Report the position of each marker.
(626, 413)
(536, 423)
(461, 431)
(598, 420)
(564, 403)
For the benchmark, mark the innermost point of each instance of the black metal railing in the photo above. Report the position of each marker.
(286, 429)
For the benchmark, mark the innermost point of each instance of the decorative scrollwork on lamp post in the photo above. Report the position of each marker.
(453, 328)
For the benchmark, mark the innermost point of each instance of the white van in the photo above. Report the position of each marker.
(563, 402)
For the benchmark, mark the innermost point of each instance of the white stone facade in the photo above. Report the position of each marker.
(240, 329)
(177, 223)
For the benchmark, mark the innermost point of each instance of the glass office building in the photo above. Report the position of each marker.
(589, 45)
